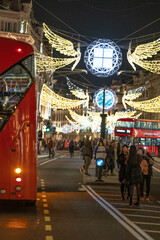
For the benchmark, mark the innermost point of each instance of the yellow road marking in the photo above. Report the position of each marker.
(47, 219)
(44, 196)
(44, 200)
(49, 237)
(48, 227)
(46, 211)
(45, 205)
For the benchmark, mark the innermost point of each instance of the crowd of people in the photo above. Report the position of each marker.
(133, 165)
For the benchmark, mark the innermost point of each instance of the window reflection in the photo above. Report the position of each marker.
(13, 85)
(125, 124)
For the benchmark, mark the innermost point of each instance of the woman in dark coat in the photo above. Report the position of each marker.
(134, 174)
(122, 162)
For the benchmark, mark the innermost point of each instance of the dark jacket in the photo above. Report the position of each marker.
(122, 170)
(134, 174)
(88, 149)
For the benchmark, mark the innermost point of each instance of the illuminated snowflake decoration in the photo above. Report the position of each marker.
(110, 99)
(103, 58)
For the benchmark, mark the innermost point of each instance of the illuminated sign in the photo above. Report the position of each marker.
(124, 131)
(103, 58)
(110, 99)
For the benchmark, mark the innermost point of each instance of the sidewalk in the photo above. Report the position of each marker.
(92, 179)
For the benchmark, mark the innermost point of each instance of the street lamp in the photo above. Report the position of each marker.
(103, 116)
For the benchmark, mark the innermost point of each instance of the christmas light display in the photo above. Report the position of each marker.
(45, 63)
(76, 91)
(142, 53)
(60, 44)
(103, 58)
(93, 120)
(132, 94)
(152, 105)
(49, 97)
(110, 99)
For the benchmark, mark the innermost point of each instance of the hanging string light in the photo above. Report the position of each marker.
(45, 63)
(49, 97)
(60, 44)
(75, 90)
(142, 53)
(152, 105)
(132, 94)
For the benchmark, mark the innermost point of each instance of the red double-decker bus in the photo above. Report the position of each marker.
(17, 121)
(140, 132)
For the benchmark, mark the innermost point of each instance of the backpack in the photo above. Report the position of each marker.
(144, 166)
(101, 152)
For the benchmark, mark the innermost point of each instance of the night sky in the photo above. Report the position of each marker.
(114, 19)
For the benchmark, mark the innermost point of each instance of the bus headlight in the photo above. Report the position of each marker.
(18, 170)
(2, 191)
(18, 188)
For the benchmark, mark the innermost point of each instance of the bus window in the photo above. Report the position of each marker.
(148, 125)
(142, 124)
(142, 141)
(137, 124)
(14, 83)
(125, 124)
(158, 125)
(148, 141)
(154, 142)
(154, 125)
(145, 125)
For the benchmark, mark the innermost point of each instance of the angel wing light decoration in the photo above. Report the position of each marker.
(142, 53)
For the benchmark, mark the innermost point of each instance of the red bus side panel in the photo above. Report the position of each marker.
(18, 149)
(12, 51)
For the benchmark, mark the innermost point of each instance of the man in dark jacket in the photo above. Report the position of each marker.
(88, 152)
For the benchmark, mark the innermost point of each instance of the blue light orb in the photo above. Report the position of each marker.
(99, 162)
(103, 58)
(110, 99)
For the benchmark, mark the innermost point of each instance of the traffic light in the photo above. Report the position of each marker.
(48, 127)
(54, 130)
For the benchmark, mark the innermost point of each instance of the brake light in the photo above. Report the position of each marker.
(18, 179)
(18, 170)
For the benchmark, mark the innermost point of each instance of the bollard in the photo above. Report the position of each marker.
(99, 163)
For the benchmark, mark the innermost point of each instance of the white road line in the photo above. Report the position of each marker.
(141, 216)
(130, 226)
(156, 169)
(148, 223)
(43, 156)
(48, 161)
(157, 163)
(142, 205)
(152, 231)
(139, 210)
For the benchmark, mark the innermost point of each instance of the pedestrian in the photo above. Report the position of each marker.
(146, 167)
(71, 148)
(100, 153)
(88, 152)
(44, 144)
(122, 162)
(112, 156)
(134, 174)
(119, 151)
(50, 147)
